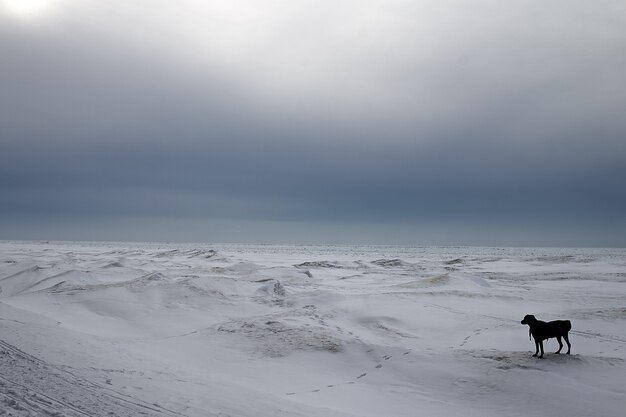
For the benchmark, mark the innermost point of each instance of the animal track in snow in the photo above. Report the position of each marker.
(474, 333)
(362, 375)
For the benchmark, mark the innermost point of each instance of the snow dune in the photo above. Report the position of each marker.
(103, 329)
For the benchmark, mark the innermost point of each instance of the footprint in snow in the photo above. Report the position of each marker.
(378, 366)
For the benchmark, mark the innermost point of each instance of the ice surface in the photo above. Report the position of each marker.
(112, 329)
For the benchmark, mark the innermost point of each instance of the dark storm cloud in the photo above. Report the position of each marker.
(312, 181)
(498, 125)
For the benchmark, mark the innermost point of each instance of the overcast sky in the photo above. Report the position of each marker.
(442, 122)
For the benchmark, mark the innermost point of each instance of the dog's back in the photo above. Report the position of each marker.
(555, 328)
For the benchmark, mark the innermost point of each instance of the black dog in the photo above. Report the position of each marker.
(541, 330)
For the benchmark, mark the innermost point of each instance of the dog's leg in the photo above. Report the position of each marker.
(569, 346)
(541, 346)
(558, 339)
(536, 348)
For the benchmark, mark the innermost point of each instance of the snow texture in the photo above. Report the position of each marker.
(112, 329)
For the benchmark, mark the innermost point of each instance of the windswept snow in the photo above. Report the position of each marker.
(95, 329)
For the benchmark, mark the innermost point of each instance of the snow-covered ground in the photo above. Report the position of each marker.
(95, 329)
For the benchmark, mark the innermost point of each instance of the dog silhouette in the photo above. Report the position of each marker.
(541, 330)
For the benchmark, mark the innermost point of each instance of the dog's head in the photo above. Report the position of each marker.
(528, 319)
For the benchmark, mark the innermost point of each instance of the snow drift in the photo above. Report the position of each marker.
(106, 329)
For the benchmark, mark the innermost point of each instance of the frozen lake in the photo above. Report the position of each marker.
(118, 329)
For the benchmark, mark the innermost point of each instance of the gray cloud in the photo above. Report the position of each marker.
(434, 121)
